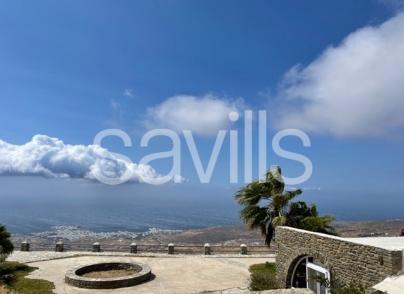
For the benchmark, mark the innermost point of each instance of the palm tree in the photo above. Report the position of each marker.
(278, 209)
(6, 247)
(306, 217)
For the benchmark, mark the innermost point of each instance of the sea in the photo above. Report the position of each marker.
(36, 205)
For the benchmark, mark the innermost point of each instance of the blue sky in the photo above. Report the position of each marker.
(71, 69)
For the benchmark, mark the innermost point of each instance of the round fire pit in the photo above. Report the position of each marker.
(108, 275)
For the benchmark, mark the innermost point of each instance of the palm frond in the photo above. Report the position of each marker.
(289, 195)
(279, 210)
(253, 193)
(254, 216)
(321, 224)
(279, 220)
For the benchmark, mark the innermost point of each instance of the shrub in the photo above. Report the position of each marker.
(337, 288)
(263, 277)
(9, 267)
(6, 247)
(350, 289)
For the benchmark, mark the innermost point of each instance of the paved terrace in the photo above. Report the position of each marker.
(181, 273)
(173, 273)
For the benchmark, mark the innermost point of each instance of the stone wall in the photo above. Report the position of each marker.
(347, 262)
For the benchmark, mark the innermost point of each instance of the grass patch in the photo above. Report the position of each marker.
(263, 277)
(19, 283)
(9, 267)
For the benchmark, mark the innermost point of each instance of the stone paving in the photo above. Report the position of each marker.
(174, 274)
(34, 256)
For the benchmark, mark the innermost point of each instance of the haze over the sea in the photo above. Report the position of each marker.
(37, 204)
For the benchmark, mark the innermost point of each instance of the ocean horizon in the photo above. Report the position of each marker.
(140, 208)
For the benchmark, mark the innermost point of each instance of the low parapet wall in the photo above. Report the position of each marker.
(348, 262)
(206, 248)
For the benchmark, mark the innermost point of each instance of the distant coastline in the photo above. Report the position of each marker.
(224, 235)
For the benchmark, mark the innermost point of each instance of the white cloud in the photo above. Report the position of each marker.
(128, 93)
(203, 115)
(354, 89)
(397, 5)
(50, 157)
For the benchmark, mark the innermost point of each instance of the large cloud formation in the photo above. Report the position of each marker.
(354, 89)
(50, 157)
(204, 115)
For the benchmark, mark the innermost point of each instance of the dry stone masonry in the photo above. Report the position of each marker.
(347, 262)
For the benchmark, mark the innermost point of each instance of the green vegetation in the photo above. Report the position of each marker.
(12, 276)
(6, 247)
(306, 217)
(351, 289)
(278, 208)
(263, 276)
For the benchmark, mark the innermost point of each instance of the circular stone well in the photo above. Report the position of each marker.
(137, 273)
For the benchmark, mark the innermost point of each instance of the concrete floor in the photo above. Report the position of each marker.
(173, 274)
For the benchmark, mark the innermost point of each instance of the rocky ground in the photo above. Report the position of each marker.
(385, 228)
